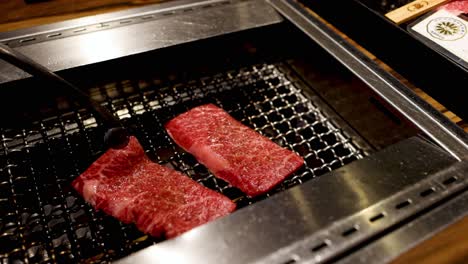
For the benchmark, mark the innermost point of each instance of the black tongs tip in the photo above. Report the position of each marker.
(116, 138)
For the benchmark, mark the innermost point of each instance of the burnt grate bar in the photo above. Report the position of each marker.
(43, 220)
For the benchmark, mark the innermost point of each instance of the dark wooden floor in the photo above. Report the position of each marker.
(448, 246)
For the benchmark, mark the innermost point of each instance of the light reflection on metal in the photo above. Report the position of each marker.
(183, 27)
(100, 47)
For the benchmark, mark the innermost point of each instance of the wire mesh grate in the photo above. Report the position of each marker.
(42, 219)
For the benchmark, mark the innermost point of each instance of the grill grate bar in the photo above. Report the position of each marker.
(46, 245)
(58, 147)
(68, 239)
(13, 228)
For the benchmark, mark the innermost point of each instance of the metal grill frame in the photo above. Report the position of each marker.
(438, 128)
(262, 92)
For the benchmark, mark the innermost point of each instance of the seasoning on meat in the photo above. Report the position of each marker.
(231, 150)
(160, 201)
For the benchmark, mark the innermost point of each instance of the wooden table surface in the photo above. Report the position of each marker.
(448, 246)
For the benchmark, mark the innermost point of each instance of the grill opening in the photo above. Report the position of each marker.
(427, 192)
(299, 97)
(376, 218)
(290, 261)
(403, 204)
(319, 247)
(449, 180)
(350, 231)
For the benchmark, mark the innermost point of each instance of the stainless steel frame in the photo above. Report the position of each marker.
(85, 41)
(438, 127)
(360, 206)
(360, 201)
(389, 247)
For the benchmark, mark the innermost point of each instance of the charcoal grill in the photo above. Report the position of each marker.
(376, 157)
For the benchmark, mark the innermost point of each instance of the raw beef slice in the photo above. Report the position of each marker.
(160, 201)
(456, 7)
(231, 150)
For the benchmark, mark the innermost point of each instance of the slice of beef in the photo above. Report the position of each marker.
(231, 150)
(456, 7)
(160, 201)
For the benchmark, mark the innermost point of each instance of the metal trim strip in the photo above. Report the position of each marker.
(186, 25)
(451, 137)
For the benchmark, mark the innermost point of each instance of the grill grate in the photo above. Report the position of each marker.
(42, 219)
